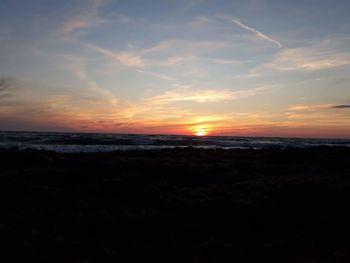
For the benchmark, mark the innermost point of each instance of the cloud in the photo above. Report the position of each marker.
(166, 108)
(308, 107)
(200, 22)
(88, 18)
(191, 4)
(258, 33)
(130, 59)
(186, 46)
(248, 75)
(125, 58)
(78, 23)
(218, 60)
(175, 52)
(186, 93)
(177, 60)
(6, 84)
(341, 106)
(157, 75)
(77, 67)
(308, 59)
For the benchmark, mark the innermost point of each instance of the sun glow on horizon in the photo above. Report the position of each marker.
(200, 131)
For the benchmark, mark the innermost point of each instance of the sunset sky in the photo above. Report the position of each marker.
(250, 67)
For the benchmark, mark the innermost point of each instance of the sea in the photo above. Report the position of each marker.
(63, 142)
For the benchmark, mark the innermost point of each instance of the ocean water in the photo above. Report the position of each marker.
(98, 142)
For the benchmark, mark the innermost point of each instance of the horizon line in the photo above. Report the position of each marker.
(184, 135)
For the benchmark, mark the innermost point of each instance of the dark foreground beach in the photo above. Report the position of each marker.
(176, 205)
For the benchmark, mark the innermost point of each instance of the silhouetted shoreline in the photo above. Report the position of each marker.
(176, 205)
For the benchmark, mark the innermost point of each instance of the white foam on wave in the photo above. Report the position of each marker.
(109, 148)
(89, 143)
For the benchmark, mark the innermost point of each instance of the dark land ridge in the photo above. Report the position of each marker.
(176, 205)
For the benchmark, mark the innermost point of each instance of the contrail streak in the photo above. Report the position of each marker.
(258, 33)
(157, 75)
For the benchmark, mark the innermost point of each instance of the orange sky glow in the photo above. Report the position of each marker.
(176, 67)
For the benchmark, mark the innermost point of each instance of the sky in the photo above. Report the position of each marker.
(205, 67)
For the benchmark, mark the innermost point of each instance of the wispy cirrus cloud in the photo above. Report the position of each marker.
(308, 59)
(77, 67)
(125, 58)
(191, 4)
(308, 107)
(249, 75)
(131, 60)
(301, 109)
(168, 106)
(187, 93)
(184, 46)
(218, 60)
(182, 59)
(157, 75)
(82, 22)
(89, 17)
(183, 51)
(168, 112)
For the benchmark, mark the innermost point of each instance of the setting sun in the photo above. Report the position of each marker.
(200, 130)
(201, 133)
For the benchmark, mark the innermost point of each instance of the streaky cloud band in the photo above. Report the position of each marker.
(341, 106)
